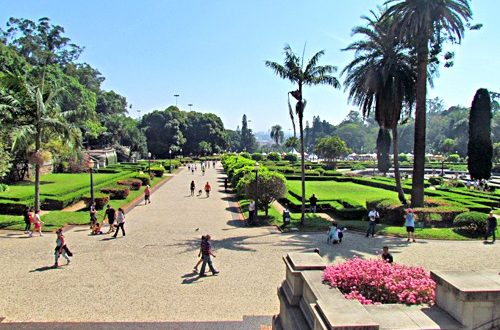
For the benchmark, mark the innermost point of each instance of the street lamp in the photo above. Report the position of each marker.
(190, 105)
(180, 153)
(149, 164)
(90, 165)
(176, 96)
(170, 155)
(256, 168)
(442, 168)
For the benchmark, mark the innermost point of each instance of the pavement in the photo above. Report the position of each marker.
(145, 280)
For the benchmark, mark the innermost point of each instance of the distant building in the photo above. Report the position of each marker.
(103, 157)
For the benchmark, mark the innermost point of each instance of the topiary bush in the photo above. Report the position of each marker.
(116, 192)
(3, 187)
(145, 178)
(257, 156)
(100, 200)
(291, 157)
(274, 156)
(435, 180)
(471, 222)
(134, 184)
(158, 171)
(375, 281)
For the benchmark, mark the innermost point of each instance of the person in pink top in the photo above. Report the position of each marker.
(38, 223)
(147, 195)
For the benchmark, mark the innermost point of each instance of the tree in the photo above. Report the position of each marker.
(382, 73)
(480, 149)
(277, 134)
(331, 148)
(424, 24)
(383, 149)
(271, 186)
(111, 103)
(248, 142)
(292, 143)
(38, 118)
(309, 75)
(233, 140)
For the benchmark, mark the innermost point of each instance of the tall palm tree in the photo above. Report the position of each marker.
(311, 74)
(37, 118)
(425, 24)
(382, 73)
(277, 134)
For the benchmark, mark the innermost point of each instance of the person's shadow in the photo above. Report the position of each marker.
(44, 268)
(190, 278)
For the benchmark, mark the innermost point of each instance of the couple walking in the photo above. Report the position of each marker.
(205, 254)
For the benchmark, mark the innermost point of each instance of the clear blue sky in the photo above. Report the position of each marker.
(212, 53)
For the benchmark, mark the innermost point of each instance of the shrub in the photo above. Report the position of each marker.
(403, 158)
(471, 222)
(257, 156)
(145, 179)
(358, 167)
(245, 155)
(453, 158)
(100, 200)
(291, 157)
(158, 171)
(3, 187)
(455, 183)
(134, 184)
(376, 281)
(12, 207)
(274, 156)
(435, 180)
(116, 192)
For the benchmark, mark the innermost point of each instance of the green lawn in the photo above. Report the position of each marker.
(56, 219)
(331, 190)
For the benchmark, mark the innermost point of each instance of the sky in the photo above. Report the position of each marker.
(212, 53)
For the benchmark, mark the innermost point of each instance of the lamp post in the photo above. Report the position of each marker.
(170, 155)
(90, 165)
(176, 96)
(190, 105)
(149, 163)
(180, 153)
(256, 167)
(442, 168)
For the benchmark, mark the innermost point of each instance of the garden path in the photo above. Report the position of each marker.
(147, 275)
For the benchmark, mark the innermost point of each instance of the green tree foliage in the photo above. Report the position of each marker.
(204, 127)
(383, 148)
(426, 25)
(309, 74)
(480, 150)
(331, 148)
(41, 43)
(111, 103)
(319, 129)
(277, 134)
(268, 187)
(248, 142)
(233, 140)
(292, 143)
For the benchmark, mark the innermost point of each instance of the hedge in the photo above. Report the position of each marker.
(16, 208)
(100, 200)
(116, 192)
(134, 184)
(471, 222)
(145, 178)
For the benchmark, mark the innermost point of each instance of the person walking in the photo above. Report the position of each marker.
(373, 215)
(207, 189)
(313, 202)
(195, 269)
(27, 220)
(147, 195)
(61, 248)
(206, 254)
(38, 223)
(251, 211)
(192, 187)
(110, 214)
(492, 228)
(410, 224)
(120, 220)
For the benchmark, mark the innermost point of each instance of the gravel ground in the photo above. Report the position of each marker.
(147, 275)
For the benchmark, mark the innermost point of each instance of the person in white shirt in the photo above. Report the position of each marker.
(372, 218)
(251, 211)
(120, 219)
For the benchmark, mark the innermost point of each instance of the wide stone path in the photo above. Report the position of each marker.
(147, 276)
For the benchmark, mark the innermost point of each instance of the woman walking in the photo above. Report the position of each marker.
(147, 195)
(61, 248)
(38, 223)
(192, 187)
(207, 189)
(120, 219)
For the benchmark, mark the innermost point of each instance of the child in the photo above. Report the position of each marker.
(340, 234)
(333, 234)
(195, 269)
(386, 256)
(96, 228)
(38, 223)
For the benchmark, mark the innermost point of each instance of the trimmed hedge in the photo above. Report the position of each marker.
(145, 178)
(10, 207)
(116, 192)
(134, 184)
(471, 222)
(158, 171)
(100, 200)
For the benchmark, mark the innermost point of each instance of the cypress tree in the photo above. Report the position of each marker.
(480, 149)
(383, 148)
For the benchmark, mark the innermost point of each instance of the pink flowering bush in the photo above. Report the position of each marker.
(375, 281)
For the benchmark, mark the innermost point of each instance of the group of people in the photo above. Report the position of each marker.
(481, 185)
(410, 218)
(203, 165)
(205, 255)
(32, 218)
(116, 221)
(207, 188)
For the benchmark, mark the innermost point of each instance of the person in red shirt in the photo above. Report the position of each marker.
(207, 189)
(147, 195)
(206, 253)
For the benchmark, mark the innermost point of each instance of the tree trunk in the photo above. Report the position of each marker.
(302, 165)
(397, 175)
(37, 172)
(417, 194)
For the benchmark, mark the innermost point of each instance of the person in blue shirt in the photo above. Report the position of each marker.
(410, 224)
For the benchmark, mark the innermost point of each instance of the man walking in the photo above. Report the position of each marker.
(313, 202)
(110, 213)
(206, 253)
(192, 187)
(492, 228)
(372, 217)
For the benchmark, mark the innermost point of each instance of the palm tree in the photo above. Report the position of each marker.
(308, 75)
(424, 24)
(277, 134)
(37, 118)
(381, 73)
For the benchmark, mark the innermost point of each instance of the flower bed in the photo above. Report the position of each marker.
(375, 281)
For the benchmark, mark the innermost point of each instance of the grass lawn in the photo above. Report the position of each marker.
(331, 190)
(399, 231)
(56, 219)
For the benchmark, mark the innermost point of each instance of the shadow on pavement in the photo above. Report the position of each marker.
(43, 269)
(190, 278)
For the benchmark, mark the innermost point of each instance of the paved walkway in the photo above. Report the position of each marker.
(147, 277)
